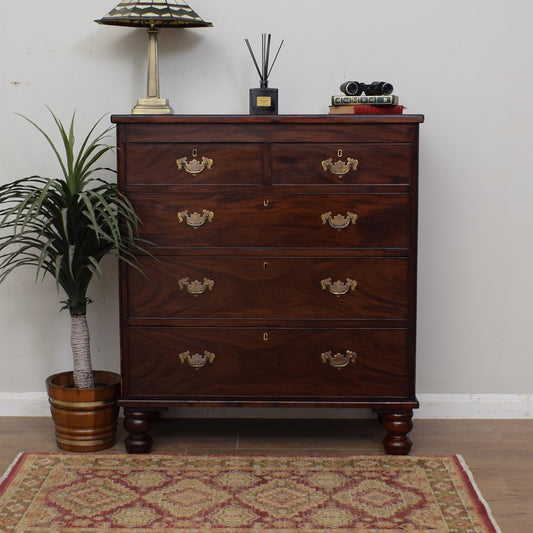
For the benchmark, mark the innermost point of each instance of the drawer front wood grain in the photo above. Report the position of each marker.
(315, 163)
(270, 220)
(278, 287)
(273, 363)
(224, 164)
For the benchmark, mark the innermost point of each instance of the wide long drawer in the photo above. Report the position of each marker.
(263, 287)
(287, 220)
(265, 363)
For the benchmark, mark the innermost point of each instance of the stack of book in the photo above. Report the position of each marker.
(365, 105)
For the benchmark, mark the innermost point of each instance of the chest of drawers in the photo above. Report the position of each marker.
(284, 265)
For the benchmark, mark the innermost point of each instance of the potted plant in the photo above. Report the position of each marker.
(63, 227)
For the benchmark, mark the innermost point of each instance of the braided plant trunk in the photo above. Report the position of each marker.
(81, 351)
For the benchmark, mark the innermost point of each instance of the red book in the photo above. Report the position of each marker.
(366, 109)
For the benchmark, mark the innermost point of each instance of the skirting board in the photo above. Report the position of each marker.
(431, 406)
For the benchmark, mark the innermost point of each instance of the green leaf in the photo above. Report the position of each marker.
(64, 227)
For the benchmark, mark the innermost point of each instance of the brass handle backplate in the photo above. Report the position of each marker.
(196, 287)
(339, 360)
(194, 166)
(339, 221)
(340, 168)
(195, 220)
(197, 360)
(338, 288)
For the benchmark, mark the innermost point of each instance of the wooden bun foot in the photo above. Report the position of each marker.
(397, 426)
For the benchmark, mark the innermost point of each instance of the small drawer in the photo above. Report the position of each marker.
(206, 363)
(341, 163)
(294, 221)
(269, 288)
(186, 164)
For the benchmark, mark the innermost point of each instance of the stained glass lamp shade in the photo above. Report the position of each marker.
(152, 16)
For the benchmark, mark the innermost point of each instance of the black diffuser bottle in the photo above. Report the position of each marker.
(264, 100)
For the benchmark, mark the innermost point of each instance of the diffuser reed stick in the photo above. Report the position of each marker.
(266, 68)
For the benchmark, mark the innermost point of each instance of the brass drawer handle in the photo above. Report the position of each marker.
(338, 288)
(194, 166)
(339, 360)
(339, 221)
(196, 287)
(340, 168)
(197, 360)
(195, 220)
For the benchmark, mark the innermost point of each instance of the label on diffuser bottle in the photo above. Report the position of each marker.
(263, 101)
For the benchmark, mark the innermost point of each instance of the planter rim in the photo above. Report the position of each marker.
(113, 376)
(61, 386)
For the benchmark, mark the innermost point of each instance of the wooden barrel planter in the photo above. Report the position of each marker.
(85, 419)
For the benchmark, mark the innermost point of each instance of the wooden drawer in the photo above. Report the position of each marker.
(260, 363)
(231, 164)
(376, 163)
(282, 220)
(278, 287)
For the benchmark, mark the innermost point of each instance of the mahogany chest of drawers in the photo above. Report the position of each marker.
(283, 268)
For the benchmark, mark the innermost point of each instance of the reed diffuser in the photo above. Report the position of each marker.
(264, 100)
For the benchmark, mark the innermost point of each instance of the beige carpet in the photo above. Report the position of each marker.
(78, 493)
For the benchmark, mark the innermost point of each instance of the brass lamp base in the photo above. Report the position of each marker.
(152, 106)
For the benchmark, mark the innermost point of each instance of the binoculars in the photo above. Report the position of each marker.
(376, 88)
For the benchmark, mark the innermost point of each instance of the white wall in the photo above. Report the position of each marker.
(465, 65)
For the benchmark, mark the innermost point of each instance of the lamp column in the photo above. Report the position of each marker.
(153, 103)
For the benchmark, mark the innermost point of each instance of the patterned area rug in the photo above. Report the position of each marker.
(51, 493)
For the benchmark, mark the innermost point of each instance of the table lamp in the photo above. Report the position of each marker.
(152, 16)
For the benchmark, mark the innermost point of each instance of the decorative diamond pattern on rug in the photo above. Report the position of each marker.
(146, 480)
(236, 478)
(185, 498)
(234, 516)
(332, 517)
(101, 493)
(89, 497)
(135, 517)
(283, 498)
(379, 499)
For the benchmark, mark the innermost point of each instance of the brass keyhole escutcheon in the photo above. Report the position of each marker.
(265, 202)
(194, 152)
(339, 152)
(265, 265)
(265, 337)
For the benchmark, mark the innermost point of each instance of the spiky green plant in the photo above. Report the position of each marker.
(64, 226)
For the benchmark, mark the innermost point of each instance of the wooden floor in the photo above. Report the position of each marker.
(498, 452)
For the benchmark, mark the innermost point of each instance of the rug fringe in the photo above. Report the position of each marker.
(470, 476)
(9, 469)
